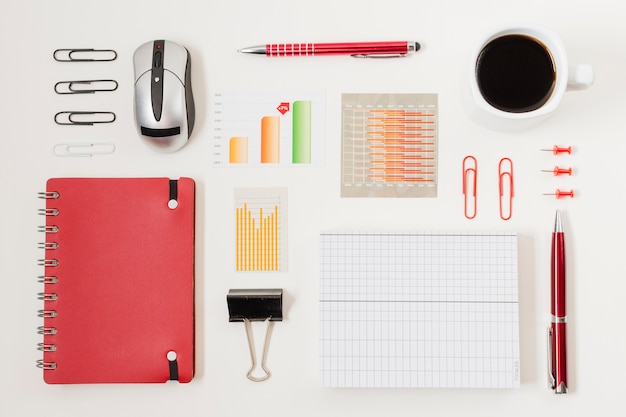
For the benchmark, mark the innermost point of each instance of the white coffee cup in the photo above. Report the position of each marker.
(492, 95)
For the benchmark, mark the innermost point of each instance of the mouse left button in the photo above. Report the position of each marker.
(142, 59)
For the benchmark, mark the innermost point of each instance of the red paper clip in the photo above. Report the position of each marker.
(557, 150)
(559, 193)
(559, 171)
(470, 176)
(505, 183)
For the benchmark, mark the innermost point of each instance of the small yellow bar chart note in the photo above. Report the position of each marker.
(260, 229)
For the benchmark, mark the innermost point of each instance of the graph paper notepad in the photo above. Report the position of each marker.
(419, 310)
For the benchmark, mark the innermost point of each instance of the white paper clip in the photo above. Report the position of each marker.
(83, 149)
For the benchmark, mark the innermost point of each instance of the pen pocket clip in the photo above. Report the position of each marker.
(551, 377)
(379, 55)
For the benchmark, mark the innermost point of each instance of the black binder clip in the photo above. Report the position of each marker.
(249, 305)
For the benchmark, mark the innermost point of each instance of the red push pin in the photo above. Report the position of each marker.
(557, 150)
(559, 171)
(558, 193)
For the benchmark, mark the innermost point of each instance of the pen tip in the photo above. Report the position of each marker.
(417, 46)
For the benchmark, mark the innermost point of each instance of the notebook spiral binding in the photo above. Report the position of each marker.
(48, 281)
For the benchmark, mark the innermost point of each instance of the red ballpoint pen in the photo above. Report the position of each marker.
(355, 49)
(557, 352)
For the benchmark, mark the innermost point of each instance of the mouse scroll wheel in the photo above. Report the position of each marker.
(157, 60)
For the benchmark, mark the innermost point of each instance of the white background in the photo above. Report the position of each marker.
(591, 121)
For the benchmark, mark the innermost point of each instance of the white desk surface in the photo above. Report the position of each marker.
(591, 121)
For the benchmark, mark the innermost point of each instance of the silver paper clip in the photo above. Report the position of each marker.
(84, 86)
(83, 149)
(80, 117)
(84, 55)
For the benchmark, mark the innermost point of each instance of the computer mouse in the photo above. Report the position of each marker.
(164, 107)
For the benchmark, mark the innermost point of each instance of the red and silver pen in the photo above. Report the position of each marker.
(355, 49)
(557, 352)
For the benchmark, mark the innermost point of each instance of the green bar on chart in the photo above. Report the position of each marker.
(301, 135)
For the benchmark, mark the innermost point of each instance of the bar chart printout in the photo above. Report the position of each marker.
(389, 145)
(418, 310)
(260, 229)
(266, 127)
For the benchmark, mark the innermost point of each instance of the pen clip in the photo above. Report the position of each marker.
(379, 55)
(470, 176)
(506, 199)
(551, 377)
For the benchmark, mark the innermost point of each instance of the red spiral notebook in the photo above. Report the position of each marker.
(118, 280)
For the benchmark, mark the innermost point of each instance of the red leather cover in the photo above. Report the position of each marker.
(125, 280)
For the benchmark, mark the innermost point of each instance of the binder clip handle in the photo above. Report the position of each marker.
(266, 345)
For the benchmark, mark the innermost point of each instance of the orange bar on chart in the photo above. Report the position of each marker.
(270, 139)
(256, 240)
(238, 150)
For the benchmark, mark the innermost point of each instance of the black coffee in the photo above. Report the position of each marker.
(515, 73)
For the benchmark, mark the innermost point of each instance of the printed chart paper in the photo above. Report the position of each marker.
(419, 310)
(266, 127)
(389, 145)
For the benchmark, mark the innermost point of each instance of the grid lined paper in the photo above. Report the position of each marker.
(419, 310)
